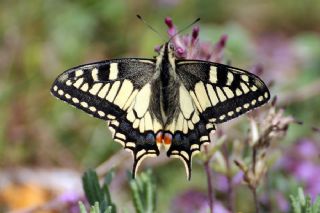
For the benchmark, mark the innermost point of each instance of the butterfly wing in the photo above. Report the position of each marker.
(117, 91)
(210, 93)
(221, 92)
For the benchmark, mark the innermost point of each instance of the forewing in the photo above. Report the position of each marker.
(117, 91)
(221, 92)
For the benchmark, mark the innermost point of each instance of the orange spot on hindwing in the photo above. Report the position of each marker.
(159, 137)
(167, 139)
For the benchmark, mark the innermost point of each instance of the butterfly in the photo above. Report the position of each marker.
(162, 102)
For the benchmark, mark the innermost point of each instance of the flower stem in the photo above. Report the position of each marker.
(255, 199)
(230, 196)
(209, 180)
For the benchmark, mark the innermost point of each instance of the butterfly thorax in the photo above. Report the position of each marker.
(168, 83)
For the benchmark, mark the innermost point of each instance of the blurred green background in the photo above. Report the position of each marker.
(39, 39)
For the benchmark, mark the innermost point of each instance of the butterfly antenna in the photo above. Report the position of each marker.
(183, 29)
(150, 27)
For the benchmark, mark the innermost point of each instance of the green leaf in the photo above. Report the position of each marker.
(143, 193)
(316, 205)
(308, 207)
(82, 207)
(295, 204)
(303, 204)
(96, 194)
(302, 198)
(91, 187)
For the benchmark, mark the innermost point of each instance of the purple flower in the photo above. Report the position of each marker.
(194, 201)
(71, 201)
(190, 47)
(282, 203)
(302, 161)
(221, 181)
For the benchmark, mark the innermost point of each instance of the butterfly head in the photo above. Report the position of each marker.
(167, 52)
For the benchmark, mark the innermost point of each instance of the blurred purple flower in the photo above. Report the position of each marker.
(189, 46)
(302, 161)
(282, 202)
(278, 57)
(221, 181)
(71, 201)
(194, 201)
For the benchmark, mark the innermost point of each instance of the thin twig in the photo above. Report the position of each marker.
(255, 198)
(211, 195)
(254, 186)
(230, 196)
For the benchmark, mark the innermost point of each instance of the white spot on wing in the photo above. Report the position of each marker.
(222, 117)
(94, 74)
(75, 100)
(195, 118)
(95, 88)
(244, 87)
(141, 125)
(104, 90)
(101, 113)
(238, 92)
(124, 93)
(113, 91)
(148, 121)
(186, 105)
(195, 100)
(221, 96)
(213, 74)
(142, 100)
(130, 99)
(84, 104)
(60, 92)
(212, 95)
(92, 109)
(85, 87)
(130, 116)
(202, 95)
(245, 78)
(179, 123)
(113, 71)
(78, 73)
(78, 83)
(228, 92)
(229, 78)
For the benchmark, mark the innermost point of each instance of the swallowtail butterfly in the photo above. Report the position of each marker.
(151, 103)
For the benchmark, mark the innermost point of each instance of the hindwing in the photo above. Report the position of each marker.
(117, 91)
(187, 131)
